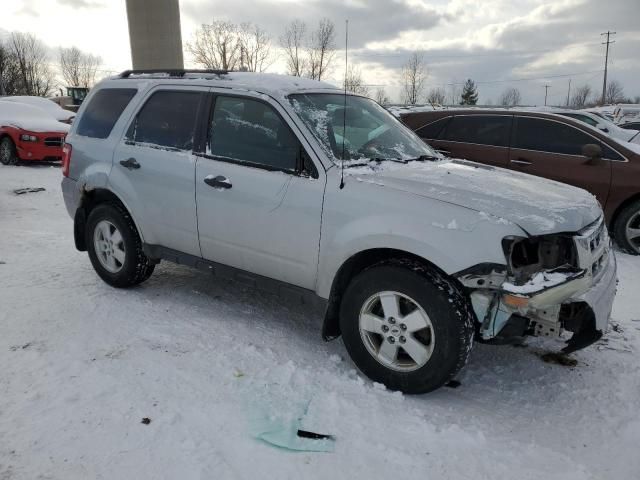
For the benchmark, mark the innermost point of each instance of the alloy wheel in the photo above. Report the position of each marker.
(632, 231)
(396, 331)
(109, 246)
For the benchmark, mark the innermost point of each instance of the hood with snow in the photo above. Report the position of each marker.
(29, 118)
(537, 205)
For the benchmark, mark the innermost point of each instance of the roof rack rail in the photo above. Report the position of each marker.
(170, 72)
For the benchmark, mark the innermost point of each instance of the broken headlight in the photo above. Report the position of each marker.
(529, 255)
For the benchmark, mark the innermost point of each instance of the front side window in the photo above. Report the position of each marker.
(362, 131)
(252, 132)
(550, 136)
(103, 111)
(480, 129)
(433, 130)
(167, 120)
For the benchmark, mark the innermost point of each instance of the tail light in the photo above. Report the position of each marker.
(66, 158)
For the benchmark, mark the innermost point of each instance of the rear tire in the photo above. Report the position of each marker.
(115, 248)
(8, 153)
(434, 323)
(626, 229)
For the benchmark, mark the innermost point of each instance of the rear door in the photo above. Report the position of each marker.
(481, 138)
(552, 149)
(259, 195)
(154, 167)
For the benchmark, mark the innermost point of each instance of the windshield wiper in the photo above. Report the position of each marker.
(423, 158)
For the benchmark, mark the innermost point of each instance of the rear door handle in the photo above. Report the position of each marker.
(130, 164)
(520, 161)
(218, 182)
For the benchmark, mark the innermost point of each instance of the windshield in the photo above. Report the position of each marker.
(364, 131)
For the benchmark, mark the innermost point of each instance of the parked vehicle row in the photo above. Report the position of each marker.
(32, 129)
(324, 197)
(548, 145)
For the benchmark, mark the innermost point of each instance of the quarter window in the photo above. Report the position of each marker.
(103, 111)
(167, 120)
(251, 131)
(479, 129)
(550, 136)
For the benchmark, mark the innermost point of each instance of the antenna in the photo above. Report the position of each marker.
(344, 110)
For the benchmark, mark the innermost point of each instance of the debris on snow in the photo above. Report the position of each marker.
(22, 191)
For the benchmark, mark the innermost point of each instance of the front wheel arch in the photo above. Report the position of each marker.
(358, 263)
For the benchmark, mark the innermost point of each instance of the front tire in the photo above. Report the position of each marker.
(627, 228)
(115, 248)
(407, 327)
(8, 153)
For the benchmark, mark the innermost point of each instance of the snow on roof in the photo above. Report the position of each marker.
(54, 109)
(29, 118)
(268, 83)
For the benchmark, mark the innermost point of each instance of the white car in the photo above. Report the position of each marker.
(271, 180)
(601, 123)
(52, 108)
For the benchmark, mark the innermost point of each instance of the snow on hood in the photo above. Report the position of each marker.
(55, 110)
(29, 118)
(539, 206)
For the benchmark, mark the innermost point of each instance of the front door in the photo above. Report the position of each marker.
(259, 198)
(552, 149)
(480, 138)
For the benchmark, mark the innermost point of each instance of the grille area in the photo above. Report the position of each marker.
(54, 141)
(593, 245)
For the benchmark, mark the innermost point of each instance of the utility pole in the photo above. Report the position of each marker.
(546, 91)
(569, 93)
(606, 63)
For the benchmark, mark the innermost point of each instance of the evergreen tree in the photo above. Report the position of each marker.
(469, 93)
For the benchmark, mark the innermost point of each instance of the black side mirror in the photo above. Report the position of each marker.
(593, 152)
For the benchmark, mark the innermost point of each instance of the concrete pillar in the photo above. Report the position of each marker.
(154, 33)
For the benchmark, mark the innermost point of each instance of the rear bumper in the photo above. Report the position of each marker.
(71, 195)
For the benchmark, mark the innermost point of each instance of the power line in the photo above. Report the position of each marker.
(606, 61)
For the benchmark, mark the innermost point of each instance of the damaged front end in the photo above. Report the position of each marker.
(550, 284)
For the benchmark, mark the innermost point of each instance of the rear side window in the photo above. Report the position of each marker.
(250, 131)
(167, 119)
(479, 129)
(550, 136)
(103, 111)
(433, 129)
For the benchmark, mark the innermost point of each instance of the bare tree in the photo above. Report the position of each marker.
(354, 82)
(9, 72)
(414, 76)
(581, 96)
(216, 46)
(614, 93)
(255, 48)
(437, 96)
(36, 77)
(78, 69)
(381, 97)
(292, 42)
(322, 49)
(510, 97)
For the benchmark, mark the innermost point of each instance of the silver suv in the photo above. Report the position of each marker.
(324, 197)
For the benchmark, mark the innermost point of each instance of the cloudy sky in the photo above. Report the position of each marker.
(499, 43)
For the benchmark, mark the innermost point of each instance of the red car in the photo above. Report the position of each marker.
(29, 133)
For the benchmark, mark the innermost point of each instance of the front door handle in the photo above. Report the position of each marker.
(130, 164)
(218, 182)
(520, 161)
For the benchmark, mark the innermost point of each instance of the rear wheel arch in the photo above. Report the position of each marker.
(90, 200)
(356, 264)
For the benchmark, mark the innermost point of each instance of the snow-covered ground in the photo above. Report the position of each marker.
(81, 364)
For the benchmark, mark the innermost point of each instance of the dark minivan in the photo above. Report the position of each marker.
(546, 145)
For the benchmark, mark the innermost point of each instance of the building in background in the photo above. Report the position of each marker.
(154, 33)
